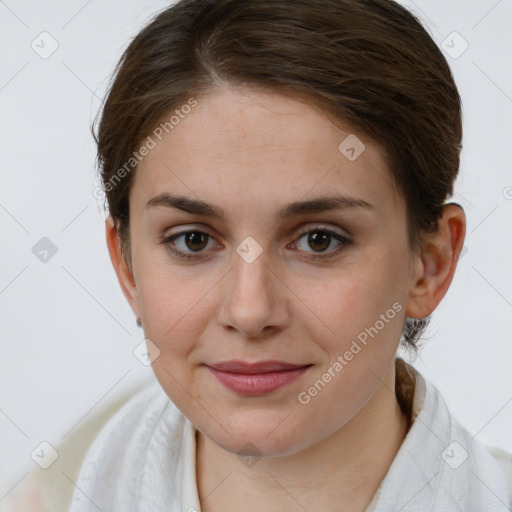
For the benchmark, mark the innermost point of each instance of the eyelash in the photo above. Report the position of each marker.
(318, 229)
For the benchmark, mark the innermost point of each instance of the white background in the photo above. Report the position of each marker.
(67, 332)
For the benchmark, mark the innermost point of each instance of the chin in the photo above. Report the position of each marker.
(258, 439)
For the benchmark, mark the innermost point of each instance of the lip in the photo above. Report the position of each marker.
(237, 366)
(256, 379)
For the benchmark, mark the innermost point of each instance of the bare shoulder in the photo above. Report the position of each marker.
(51, 489)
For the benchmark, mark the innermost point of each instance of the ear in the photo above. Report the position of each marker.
(124, 274)
(434, 268)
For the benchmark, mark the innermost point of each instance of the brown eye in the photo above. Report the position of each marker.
(184, 245)
(319, 240)
(324, 242)
(195, 240)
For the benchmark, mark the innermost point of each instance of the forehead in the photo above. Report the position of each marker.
(240, 147)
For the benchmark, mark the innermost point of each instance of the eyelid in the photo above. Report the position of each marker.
(324, 256)
(306, 229)
(301, 230)
(322, 227)
(167, 240)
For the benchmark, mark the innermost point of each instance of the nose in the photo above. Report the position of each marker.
(254, 298)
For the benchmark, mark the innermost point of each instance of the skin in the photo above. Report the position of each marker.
(252, 153)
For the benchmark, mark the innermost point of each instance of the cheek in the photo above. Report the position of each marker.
(367, 321)
(173, 306)
(364, 310)
(174, 318)
(354, 299)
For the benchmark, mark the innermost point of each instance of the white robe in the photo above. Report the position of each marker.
(144, 461)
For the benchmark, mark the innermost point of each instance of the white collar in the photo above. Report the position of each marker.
(425, 474)
(439, 466)
(144, 460)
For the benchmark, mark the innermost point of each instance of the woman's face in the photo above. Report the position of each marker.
(259, 172)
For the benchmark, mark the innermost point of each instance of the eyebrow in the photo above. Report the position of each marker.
(315, 205)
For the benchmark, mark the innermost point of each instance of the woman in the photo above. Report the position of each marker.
(277, 176)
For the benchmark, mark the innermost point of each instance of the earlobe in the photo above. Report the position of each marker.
(434, 268)
(124, 274)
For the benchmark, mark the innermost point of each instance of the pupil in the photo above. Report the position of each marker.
(194, 239)
(323, 239)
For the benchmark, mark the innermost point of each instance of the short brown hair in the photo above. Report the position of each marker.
(368, 62)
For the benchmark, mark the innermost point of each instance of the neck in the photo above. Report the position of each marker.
(341, 472)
